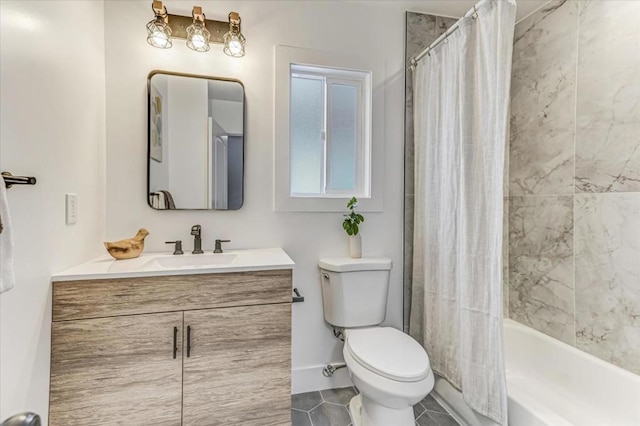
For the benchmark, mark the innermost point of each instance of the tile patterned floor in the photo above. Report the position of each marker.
(330, 408)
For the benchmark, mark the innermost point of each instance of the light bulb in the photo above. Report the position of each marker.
(198, 41)
(235, 47)
(198, 38)
(159, 39)
(234, 44)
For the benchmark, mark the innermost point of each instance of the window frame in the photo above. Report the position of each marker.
(361, 143)
(361, 82)
(313, 76)
(376, 69)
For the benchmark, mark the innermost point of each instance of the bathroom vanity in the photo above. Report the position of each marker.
(173, 340)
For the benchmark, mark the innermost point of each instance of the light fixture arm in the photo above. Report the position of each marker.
(160, 10)
(198, 15)
(234, 21)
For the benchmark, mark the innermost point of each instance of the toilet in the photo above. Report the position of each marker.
(390, 369)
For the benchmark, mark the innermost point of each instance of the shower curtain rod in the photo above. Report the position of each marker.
(471, 12)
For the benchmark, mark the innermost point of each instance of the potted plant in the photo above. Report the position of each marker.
(351, 225)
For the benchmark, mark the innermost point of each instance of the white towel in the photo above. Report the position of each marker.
(7, 275)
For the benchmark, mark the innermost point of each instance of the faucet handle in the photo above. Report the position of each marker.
(178, 247)
(218, 247)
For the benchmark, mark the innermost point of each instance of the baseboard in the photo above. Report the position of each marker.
(309, 379)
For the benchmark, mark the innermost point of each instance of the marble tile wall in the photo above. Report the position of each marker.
(608, 97)
(421, 31)
(574, 177)
(607, 293)
(543, 80)
(541, 264)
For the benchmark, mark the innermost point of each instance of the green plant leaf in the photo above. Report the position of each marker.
(353, 202)
(352, 219)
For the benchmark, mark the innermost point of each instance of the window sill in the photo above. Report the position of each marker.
(326, 204)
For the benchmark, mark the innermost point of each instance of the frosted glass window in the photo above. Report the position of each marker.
(342, 151)
(307, 129)
(329, 138)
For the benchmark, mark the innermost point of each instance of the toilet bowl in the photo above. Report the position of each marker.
(390, 369)
(392, 373)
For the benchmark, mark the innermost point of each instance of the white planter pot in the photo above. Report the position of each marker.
(355, 246)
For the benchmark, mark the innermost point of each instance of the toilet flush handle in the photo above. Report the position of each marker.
(324, 275)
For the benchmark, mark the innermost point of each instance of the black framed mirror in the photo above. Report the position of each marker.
(195, 157)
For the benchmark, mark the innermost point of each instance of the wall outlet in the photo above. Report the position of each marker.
(71, 208)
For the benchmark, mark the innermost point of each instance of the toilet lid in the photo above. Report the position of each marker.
(389, 353)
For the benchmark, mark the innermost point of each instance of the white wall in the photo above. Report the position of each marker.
(228, 114)
(305, 236)
(52, 126)
(188, 111)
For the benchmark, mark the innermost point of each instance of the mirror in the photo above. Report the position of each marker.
(195, 142)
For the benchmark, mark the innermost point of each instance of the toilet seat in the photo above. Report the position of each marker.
(389, 353)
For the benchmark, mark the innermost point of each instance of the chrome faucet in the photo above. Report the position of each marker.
(196, 231)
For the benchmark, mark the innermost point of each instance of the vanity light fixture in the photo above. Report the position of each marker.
(197, 33)
(234, 40)
(158, 30)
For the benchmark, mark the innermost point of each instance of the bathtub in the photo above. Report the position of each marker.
(550, 383)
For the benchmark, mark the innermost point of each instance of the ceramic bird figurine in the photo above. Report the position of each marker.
(129, 248)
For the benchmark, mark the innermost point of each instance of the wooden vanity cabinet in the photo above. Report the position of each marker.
(117, 370)
(249, 349)
(209, 349)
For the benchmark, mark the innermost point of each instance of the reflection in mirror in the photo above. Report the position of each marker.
(196, 142)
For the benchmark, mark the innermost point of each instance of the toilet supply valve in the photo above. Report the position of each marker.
(329, 369)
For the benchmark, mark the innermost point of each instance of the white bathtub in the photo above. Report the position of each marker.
(550, 383)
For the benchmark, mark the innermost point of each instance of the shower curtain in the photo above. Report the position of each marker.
(461, 93)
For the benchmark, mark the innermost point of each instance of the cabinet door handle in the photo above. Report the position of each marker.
(188, 341)
(175, 342)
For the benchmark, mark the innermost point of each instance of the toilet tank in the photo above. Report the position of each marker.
(354, 291)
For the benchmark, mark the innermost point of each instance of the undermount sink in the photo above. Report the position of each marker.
(192, 260)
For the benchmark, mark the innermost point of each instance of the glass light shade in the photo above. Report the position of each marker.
(198, 37)
(159, 34)
(234, 44)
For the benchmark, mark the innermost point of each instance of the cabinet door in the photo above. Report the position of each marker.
(238, 371)
(116, 371)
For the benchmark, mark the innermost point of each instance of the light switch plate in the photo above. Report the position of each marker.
(71, 208)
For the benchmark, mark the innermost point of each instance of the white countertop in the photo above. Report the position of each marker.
(147, 265)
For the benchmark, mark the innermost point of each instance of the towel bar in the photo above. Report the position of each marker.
(10, 180)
